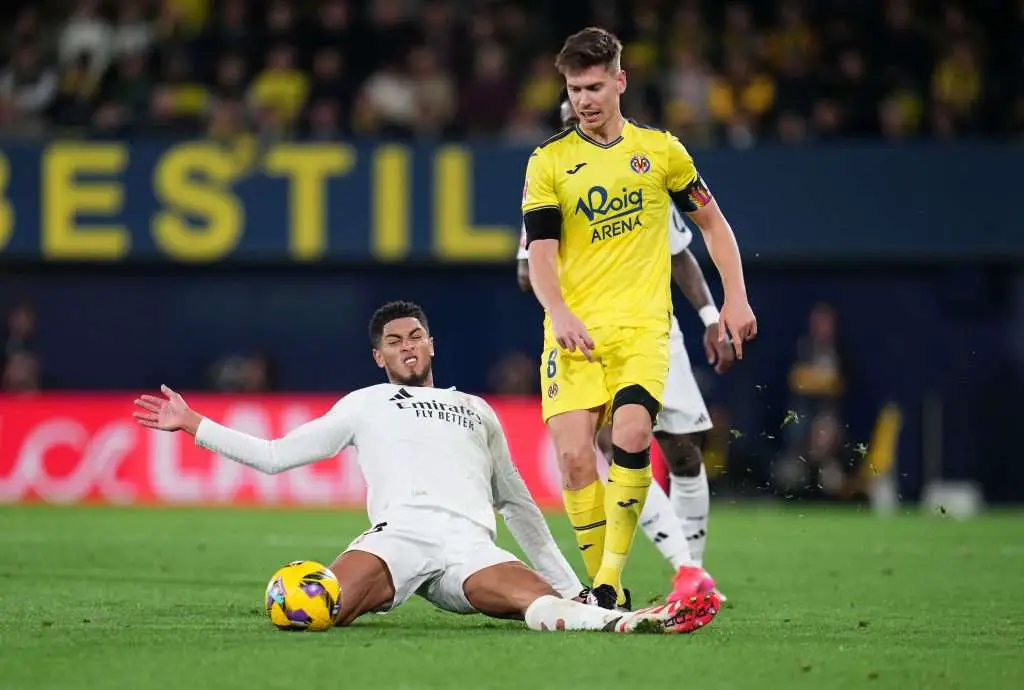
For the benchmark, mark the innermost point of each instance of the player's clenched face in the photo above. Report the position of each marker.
(405, 352)
(594, 93)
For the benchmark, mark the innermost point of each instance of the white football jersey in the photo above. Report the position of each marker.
(679, 235)
(429, 447)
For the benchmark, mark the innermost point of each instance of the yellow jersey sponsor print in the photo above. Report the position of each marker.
(613, 258)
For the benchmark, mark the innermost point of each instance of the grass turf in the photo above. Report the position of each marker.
(819, 598)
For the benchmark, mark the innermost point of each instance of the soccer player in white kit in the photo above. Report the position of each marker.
(437, 466)
(677, 523)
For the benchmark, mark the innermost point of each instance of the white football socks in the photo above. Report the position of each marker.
(660, 524)
(659, 521)
(551, 613)
(691, 499)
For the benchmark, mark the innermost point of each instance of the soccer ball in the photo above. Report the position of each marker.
(303, 595)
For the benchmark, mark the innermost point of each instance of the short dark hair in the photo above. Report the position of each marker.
(398, 309)
(587, 48)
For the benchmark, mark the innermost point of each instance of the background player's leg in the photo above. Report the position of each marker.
(690, 494)
(582, 490)
(511, 590)
(658, 519)
(629, 479)
(365, 584)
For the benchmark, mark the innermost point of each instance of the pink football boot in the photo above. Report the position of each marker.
(691, 581)
(675, 617)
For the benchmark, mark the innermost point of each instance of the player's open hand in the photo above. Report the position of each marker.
(737, 320)
(570, 333)
(169, 413)
(719, 352)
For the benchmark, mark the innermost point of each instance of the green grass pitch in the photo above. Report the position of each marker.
(819, 598)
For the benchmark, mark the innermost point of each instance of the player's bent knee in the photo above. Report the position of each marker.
(632, 435)
(365, 584)
(505, 590)
(682, 453)
(634, 410)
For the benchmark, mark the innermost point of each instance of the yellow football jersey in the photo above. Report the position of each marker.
(613, 257)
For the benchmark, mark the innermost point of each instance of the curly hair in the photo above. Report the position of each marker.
(385, 314)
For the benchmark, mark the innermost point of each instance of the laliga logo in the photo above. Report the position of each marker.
(101, 455)
(75, 456)
(599, 207)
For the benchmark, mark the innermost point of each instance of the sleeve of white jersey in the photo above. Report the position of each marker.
(523, 254)
(679, 233)
(315, 440)
(524, 520)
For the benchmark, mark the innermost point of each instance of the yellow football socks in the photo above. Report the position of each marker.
(585, 508)
(624, 501)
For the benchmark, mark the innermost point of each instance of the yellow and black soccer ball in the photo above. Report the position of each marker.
(303, 595)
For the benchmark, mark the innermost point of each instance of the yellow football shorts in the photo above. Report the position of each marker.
(622, 357)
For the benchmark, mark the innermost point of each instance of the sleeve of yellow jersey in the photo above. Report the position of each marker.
(685, 185)
(539, 188)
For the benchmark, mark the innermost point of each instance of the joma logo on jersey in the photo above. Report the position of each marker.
(611, 216)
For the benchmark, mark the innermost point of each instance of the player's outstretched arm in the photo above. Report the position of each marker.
(316, 440)
(689, 276)
(524, 520)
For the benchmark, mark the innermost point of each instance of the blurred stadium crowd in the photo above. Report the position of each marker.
(733, 74)
(715, 73)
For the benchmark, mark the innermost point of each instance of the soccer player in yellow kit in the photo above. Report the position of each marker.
(596, 211)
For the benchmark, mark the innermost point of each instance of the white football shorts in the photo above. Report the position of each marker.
(684, 410)
(431, 553)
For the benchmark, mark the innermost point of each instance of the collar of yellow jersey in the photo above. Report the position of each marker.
(584, 137)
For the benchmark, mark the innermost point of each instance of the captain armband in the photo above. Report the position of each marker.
(692, 197)
(543, 224)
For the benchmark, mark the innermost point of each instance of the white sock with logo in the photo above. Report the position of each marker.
(691, 500)
(659, 522)
(552, 613)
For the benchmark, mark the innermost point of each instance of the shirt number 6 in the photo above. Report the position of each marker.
(552, 363)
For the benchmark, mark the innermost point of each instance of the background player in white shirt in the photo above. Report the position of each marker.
(677, 523)
(436, 465)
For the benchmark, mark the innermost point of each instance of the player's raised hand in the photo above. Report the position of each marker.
(737, 319)
(570, 333)
(169, 413)
(719, 352)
